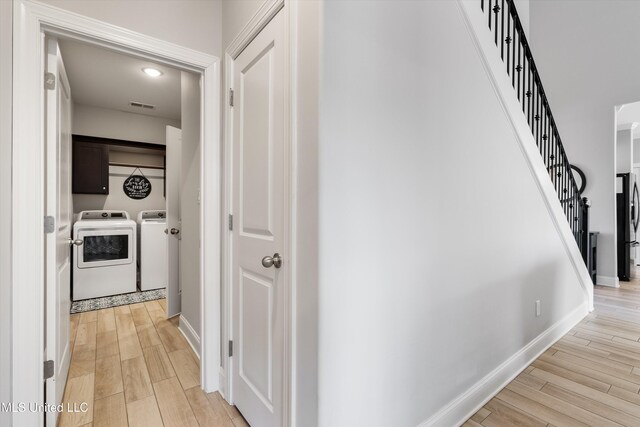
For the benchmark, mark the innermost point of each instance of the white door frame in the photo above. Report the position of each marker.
(30, 19)
(257, 22)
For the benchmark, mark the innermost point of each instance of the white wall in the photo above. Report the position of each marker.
(5, 206)
(235, 15)
(418, 164)
(108, 123)
(191, 23)
(117, 200)
(624, 151)
(523, 8)
(575, 44)
(636, 151)
(190, 207)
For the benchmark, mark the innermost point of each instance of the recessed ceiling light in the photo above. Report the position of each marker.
(153, 72)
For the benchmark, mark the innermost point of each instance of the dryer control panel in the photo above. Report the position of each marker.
(104, 215)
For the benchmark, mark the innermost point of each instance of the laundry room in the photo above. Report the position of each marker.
(135, 157)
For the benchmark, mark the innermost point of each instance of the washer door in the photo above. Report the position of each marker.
(104, 247)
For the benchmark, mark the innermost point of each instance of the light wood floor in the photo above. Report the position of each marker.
(134, 368)
(590, 377)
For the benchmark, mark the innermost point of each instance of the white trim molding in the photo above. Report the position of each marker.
(467, 404)
(613, 282)
(30, 20)
(627, 126)
(190, 334)
(258, 21)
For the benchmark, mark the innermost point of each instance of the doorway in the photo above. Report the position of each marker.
(114, 184)
(627, 149)
(29, 205)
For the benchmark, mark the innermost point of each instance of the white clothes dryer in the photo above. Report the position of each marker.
(105, 263)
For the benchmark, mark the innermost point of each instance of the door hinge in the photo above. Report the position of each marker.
(49, 224)
(49, 370)
(230, 222)
(230, 348)
(49, 81)
(231, 97)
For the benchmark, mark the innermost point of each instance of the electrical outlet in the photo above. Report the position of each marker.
(537, 308)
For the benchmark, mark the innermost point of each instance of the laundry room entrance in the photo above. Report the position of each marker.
(123, 188)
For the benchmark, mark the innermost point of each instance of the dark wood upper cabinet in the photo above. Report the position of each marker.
(90, 168)
(90, 173)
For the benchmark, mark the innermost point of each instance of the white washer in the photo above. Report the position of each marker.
(105, 263)
(152, 249)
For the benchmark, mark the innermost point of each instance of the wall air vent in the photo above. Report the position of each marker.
(142, 105)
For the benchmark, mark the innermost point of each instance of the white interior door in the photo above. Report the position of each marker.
(259, 231)
(59, 208)
(172, 176)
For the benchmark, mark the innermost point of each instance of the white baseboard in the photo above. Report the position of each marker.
(468, 403)
(614, 282)
(190, 334)
(223, 383)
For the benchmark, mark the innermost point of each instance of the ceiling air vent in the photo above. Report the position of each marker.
(142, 105)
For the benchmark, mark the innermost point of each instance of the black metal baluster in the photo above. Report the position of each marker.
(489, 12)
(529, 96)
(552, 150)
(567, 187)
(513, 72)
(524, 83)
(558, 158)
(508, 39)
(496, 10)
(545, 141)
(538, 102)
(569, 195)
(549, 140)
(553, 167)
(502, 31)
(537, 116)
(559, 162)
(545, 156)
(546, 132)
(519, 66)
(540, 105)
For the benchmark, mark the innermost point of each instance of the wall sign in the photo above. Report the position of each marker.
(581, 180)
(137, 187)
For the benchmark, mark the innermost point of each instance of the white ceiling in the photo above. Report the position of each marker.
(629, 114)
(102, 78)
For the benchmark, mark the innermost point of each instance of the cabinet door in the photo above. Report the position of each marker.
(90, 168)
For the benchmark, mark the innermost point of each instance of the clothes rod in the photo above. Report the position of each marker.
(129, 165)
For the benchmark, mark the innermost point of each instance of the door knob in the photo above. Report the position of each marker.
(275, 261)
(174, 231)
(76, 242)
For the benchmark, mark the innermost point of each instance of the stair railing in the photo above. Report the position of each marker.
(509, 37)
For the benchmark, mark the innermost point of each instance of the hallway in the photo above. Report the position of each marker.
(590, 377)
(133, 367)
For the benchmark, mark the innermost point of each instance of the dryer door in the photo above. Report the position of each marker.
(104, 247)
